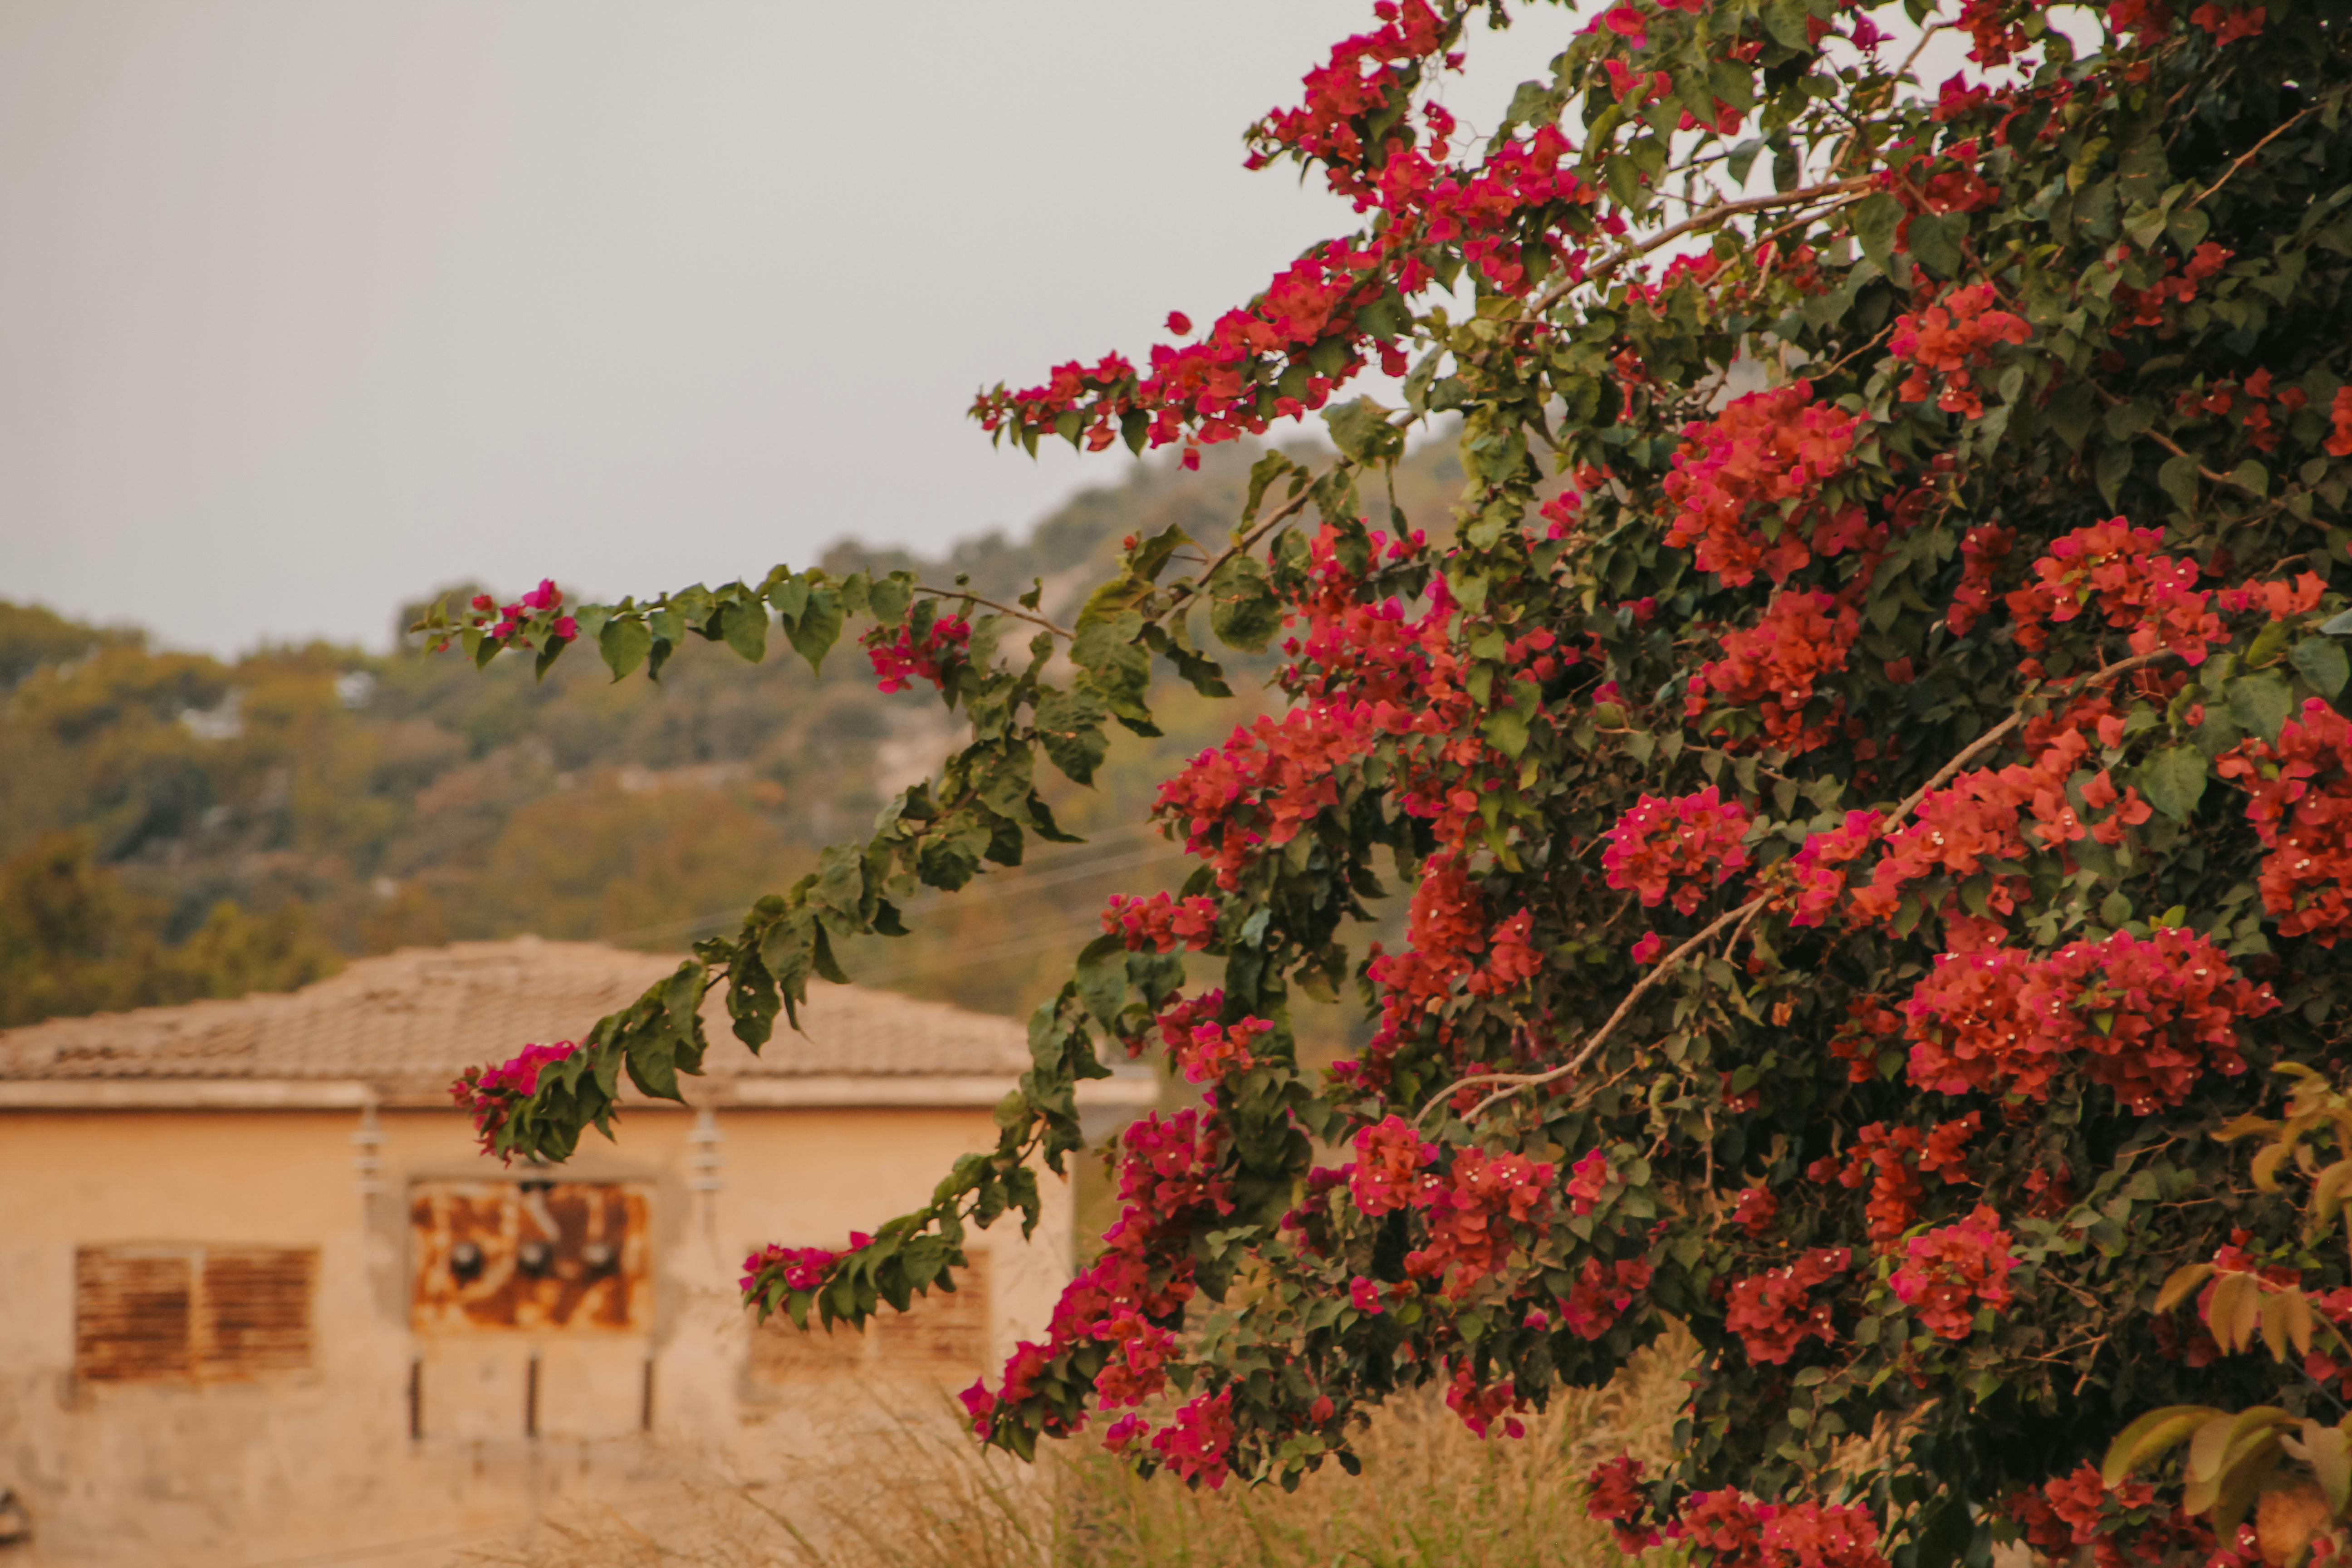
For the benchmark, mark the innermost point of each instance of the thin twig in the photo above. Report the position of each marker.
(1515, 1082)
(1806, 219)
(1712, 215)
(971, 598)
(1840, 363)
(1186, 591)
(1929, 31)
(2243, 159)
(2116, 400)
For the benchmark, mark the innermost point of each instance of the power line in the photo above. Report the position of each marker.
(997, 885)
(968, 956)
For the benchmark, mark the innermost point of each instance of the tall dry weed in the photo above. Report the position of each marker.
(909, 1490)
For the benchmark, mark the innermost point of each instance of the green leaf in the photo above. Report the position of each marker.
(2177, 478)
(1106, 648)
(1204, 674)
(1116, 597)
(1533, 103)
(817, 628)
(1361, 431)
(1243, 609)
(1004, 789)
(2261, 703)
(2126, 420)
(1385, 319)
(1264, 472)
(2174, 780)
(1935, 241)
(1785, 20)
(2115, 464)
(747, 629)
(1875, 222)
(2072, 410)
(1070, 726)
(652, 1063)
(840, 882)
(1102, 978)
(623, 643)
(1506, 726)
(2322, 663)
(789, 594)
(1152, 556)
(888, 598)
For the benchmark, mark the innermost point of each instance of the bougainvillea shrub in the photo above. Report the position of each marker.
(1861, 771)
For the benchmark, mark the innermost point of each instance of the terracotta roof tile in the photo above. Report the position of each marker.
(423, 1015)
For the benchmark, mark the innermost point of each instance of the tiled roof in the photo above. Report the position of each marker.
(414, 1019)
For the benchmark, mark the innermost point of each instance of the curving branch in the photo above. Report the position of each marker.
(1513, 1083)
(971, 598)
(1707, 218)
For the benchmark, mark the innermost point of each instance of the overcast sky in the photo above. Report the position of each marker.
(307, 306)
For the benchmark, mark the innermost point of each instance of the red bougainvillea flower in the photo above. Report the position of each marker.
(2114, 569)
(1473, 1213)
(1948, 343)
(1952, 1271)
(1600, 1293)
(2299, 793)
(2147, 1017)
(801, 1267)
(1772, 668)
(1760, 466)
(1198, 1444)
(491, 1093)
(1159, 924)
(1615, 1493)
(1587, 1179)
(1389, 1159)
(1774, 1312)
(1678, 847)
(899, 660)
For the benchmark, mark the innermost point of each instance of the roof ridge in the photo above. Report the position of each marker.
(417, 1012)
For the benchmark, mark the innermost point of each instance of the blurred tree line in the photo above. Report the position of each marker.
(174, 826)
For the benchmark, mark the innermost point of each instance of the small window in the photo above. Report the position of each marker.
(942, 1335)
(204, 1313)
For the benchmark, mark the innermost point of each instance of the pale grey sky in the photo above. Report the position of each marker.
(307, 306)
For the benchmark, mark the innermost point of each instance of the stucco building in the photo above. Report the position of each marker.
(261, 1302)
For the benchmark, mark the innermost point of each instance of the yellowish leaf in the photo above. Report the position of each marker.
(2152, 1435)
(2180, 1284)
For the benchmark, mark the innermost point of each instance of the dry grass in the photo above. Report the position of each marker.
(918, 1494)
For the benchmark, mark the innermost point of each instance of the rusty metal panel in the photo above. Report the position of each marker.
(134, 1313)
(256, 1310)
(532, 1255)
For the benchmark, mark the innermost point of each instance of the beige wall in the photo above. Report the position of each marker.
(302, 1466)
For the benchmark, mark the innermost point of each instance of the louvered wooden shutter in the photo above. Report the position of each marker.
(254, 1315)
(783, 1355)
(216, 1313)
(943, 1333)
(134, 1313)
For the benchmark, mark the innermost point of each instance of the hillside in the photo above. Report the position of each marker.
(176, 826)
